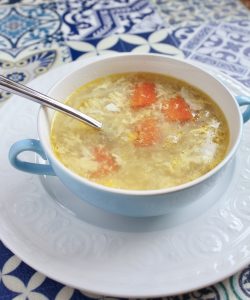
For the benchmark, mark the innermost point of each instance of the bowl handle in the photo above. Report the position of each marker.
(243, 100)
(35, 168)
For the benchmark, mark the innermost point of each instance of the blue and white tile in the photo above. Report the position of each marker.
(195, 12)
(99, 18)
(240, 284)
(215, 33)
(23, 26)
(157, 42)
(225, 47)
(19, 281)
(26, 68)
(13, 2)
(34, 35)
(216, 292)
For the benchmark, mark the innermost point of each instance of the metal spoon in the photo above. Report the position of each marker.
(28, 93)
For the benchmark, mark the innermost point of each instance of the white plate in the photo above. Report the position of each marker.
(118, 256)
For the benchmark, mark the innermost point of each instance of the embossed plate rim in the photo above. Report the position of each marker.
(27, 249)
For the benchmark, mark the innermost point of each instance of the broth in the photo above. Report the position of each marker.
(158, 132)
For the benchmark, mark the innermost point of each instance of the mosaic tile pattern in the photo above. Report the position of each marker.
(96, 19)
(214, 33)
(37, 35)
(223, 46)
(218, 30)
(194, 12)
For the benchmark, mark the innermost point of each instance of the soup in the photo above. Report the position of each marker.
(158, 132)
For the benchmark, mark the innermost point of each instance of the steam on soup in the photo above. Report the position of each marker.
(158, 132)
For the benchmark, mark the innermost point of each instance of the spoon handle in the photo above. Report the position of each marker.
(28, 93)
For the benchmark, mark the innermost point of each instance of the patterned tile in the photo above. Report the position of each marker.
(240, 284)
(224, 46)
(214, 32)
(96, 19)
(154, 42)
(38, 62)
(27, 68)
(41, 23)
(24, 26)
(36, 35)
(194, 12)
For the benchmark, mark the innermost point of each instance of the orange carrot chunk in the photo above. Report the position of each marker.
(147, 133)
(107, 162)
(176, 109)
(144, 95)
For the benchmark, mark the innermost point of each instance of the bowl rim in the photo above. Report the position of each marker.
(154, 192)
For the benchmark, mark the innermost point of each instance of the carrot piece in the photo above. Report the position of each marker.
(144, 95)
(107, 162)
(176, 109)
(147, 133)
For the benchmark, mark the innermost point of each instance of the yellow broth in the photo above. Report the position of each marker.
(141, 147)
